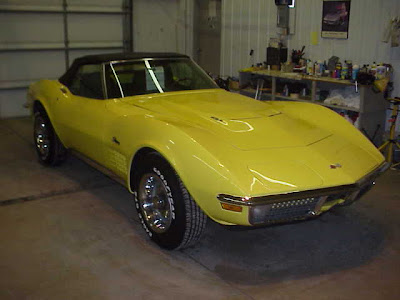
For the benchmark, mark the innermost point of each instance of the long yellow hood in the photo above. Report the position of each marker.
(240, 121)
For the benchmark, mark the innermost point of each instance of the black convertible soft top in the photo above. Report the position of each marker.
(101, 58)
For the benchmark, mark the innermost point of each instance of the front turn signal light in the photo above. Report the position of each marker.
(232, 207)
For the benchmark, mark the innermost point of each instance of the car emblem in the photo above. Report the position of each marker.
(335, 166)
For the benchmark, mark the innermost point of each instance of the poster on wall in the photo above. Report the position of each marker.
(335, 19)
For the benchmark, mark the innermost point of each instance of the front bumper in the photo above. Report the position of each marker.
(302, 204)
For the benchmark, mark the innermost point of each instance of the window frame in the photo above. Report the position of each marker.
(102, 90)
(144, 60)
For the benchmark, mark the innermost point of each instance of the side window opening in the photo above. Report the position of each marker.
(87, 82)
(132, 77)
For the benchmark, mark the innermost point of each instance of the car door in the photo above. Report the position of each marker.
(80, 112)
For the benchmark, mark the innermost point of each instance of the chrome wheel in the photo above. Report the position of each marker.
(154, 203)
(42, 137)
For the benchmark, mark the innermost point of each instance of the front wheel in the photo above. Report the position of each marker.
(49, 149)
(167, 211)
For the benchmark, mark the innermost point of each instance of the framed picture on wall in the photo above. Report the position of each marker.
(335, 19)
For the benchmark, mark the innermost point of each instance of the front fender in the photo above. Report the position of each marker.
(45, 92)
(196, 155)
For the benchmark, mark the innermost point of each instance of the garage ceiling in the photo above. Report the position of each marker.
(40, 38)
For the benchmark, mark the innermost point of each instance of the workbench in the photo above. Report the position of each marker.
(372, 109)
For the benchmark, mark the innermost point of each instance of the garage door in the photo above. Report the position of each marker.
(40, 38)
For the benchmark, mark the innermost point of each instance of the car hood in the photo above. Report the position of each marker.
(240, 121)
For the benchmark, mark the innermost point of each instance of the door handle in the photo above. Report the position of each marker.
(63, 90)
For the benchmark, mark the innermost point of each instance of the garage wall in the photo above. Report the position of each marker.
(368, 19)
(246, 25)
(163, 26)
(32, 42)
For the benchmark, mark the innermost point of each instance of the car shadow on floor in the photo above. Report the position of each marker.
(340, 239)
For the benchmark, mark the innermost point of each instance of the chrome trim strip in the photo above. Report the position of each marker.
(116, 77)
(270, 199)
(99, 167)
(153, 76)
(148, 58)
(105, 93)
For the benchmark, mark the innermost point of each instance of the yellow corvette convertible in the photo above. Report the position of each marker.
(188, 150)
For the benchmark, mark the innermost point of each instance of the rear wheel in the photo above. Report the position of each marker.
(167, 211)
(49, 149)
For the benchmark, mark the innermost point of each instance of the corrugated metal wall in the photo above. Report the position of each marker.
(36, 41)
(163, 26)
(248, 24)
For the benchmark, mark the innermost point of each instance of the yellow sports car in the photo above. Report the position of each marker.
(188, 150)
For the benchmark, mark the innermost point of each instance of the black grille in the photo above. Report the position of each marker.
(293, 209)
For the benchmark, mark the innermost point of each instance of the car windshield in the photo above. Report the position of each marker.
(155, 76)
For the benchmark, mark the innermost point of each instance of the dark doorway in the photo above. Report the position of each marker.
(207, 35)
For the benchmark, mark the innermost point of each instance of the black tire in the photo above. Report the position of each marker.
(182, 219)
(49, 149)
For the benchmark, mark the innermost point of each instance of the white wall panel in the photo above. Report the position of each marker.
(31, 65)
(156, 26)
(31, 26)
(98, 28)
(165, 26)
(246, 25)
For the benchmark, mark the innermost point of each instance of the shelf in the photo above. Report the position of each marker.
(251, 93)
(307, 99)
(372, 110)
(300, 76)
(319, 103)
(339, 106)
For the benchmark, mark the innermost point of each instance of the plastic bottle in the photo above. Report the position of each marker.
(356, 69)
(317, 69)
(338, 70)
(364, 69)
(310, 68)
(345, 69)
(285, 91)
(373, 69)
(350, 70)
(380, 72)
(321, 67)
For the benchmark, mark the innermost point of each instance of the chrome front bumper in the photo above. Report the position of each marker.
(302, 204)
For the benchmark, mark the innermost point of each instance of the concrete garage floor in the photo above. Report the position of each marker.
(72, 233)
